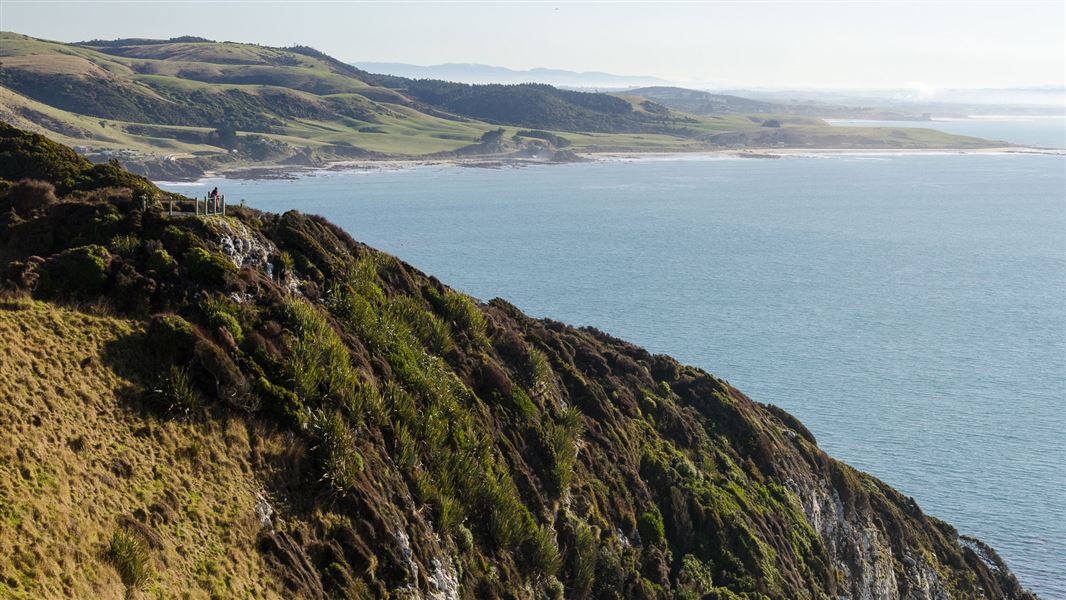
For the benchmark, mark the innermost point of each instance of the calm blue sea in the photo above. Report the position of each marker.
(910, 309)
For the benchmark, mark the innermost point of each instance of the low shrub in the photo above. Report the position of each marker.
(171, 337)
(283, 265)
(281, 402)
(538, 372)
(650, 526)
(208, 267)
(179, 240)
(228, 377)
(28, 195)
(509, 522)
(129, 555)
(160, 261)
(583, 560)
(220, 312)
(464, 538)
(521, 404)
(81, 270)
(694, 580)
(553, 589)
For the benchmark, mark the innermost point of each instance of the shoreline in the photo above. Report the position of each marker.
(292, 172)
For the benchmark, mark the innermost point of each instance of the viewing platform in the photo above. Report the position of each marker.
(202, 207)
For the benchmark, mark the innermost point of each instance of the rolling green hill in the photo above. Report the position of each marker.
(177, 107)
(257, 405)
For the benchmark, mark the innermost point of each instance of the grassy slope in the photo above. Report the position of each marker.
(406, 435)
(299, 100)
(78, 462)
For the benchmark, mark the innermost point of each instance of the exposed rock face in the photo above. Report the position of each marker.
(440, 448)
(243, 246)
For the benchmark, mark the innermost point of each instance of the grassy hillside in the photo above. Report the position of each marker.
(177, 107)
(79, 468)
(704, 103)
(257, 405)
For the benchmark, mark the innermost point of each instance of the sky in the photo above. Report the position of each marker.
(916, 45)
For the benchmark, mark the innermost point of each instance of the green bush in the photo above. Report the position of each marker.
(509, 522)
(281, 402)
(650, 526)
(170, 336)
(520, 403)
(583, 560)
(130, 558)
(208, 267)
(159, 260)
(220, 313)
(464, 538)
(694, 580)
(283, 265)
(538, 372)
(179, 240)
(81, 270)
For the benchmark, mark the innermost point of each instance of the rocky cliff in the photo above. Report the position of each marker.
(257, 405)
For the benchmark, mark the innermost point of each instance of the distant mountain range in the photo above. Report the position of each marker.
(478, 73)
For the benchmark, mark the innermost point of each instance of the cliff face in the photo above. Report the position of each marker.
(257, 405)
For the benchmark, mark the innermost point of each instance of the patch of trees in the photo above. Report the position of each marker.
(184, 39)
(537, 106)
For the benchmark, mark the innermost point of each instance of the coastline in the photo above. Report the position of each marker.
(292, 172)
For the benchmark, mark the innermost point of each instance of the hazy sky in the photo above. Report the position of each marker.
(828, 44)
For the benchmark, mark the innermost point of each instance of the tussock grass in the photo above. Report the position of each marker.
(129, 555)
(319, 363)
(539, 372)
(339, 457)
(559, 439)
(177, 393)
(466, 316)
(426, 326)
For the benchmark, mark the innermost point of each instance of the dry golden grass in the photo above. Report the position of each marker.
(81, 458)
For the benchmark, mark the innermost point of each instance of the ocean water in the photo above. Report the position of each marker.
(910, 309)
